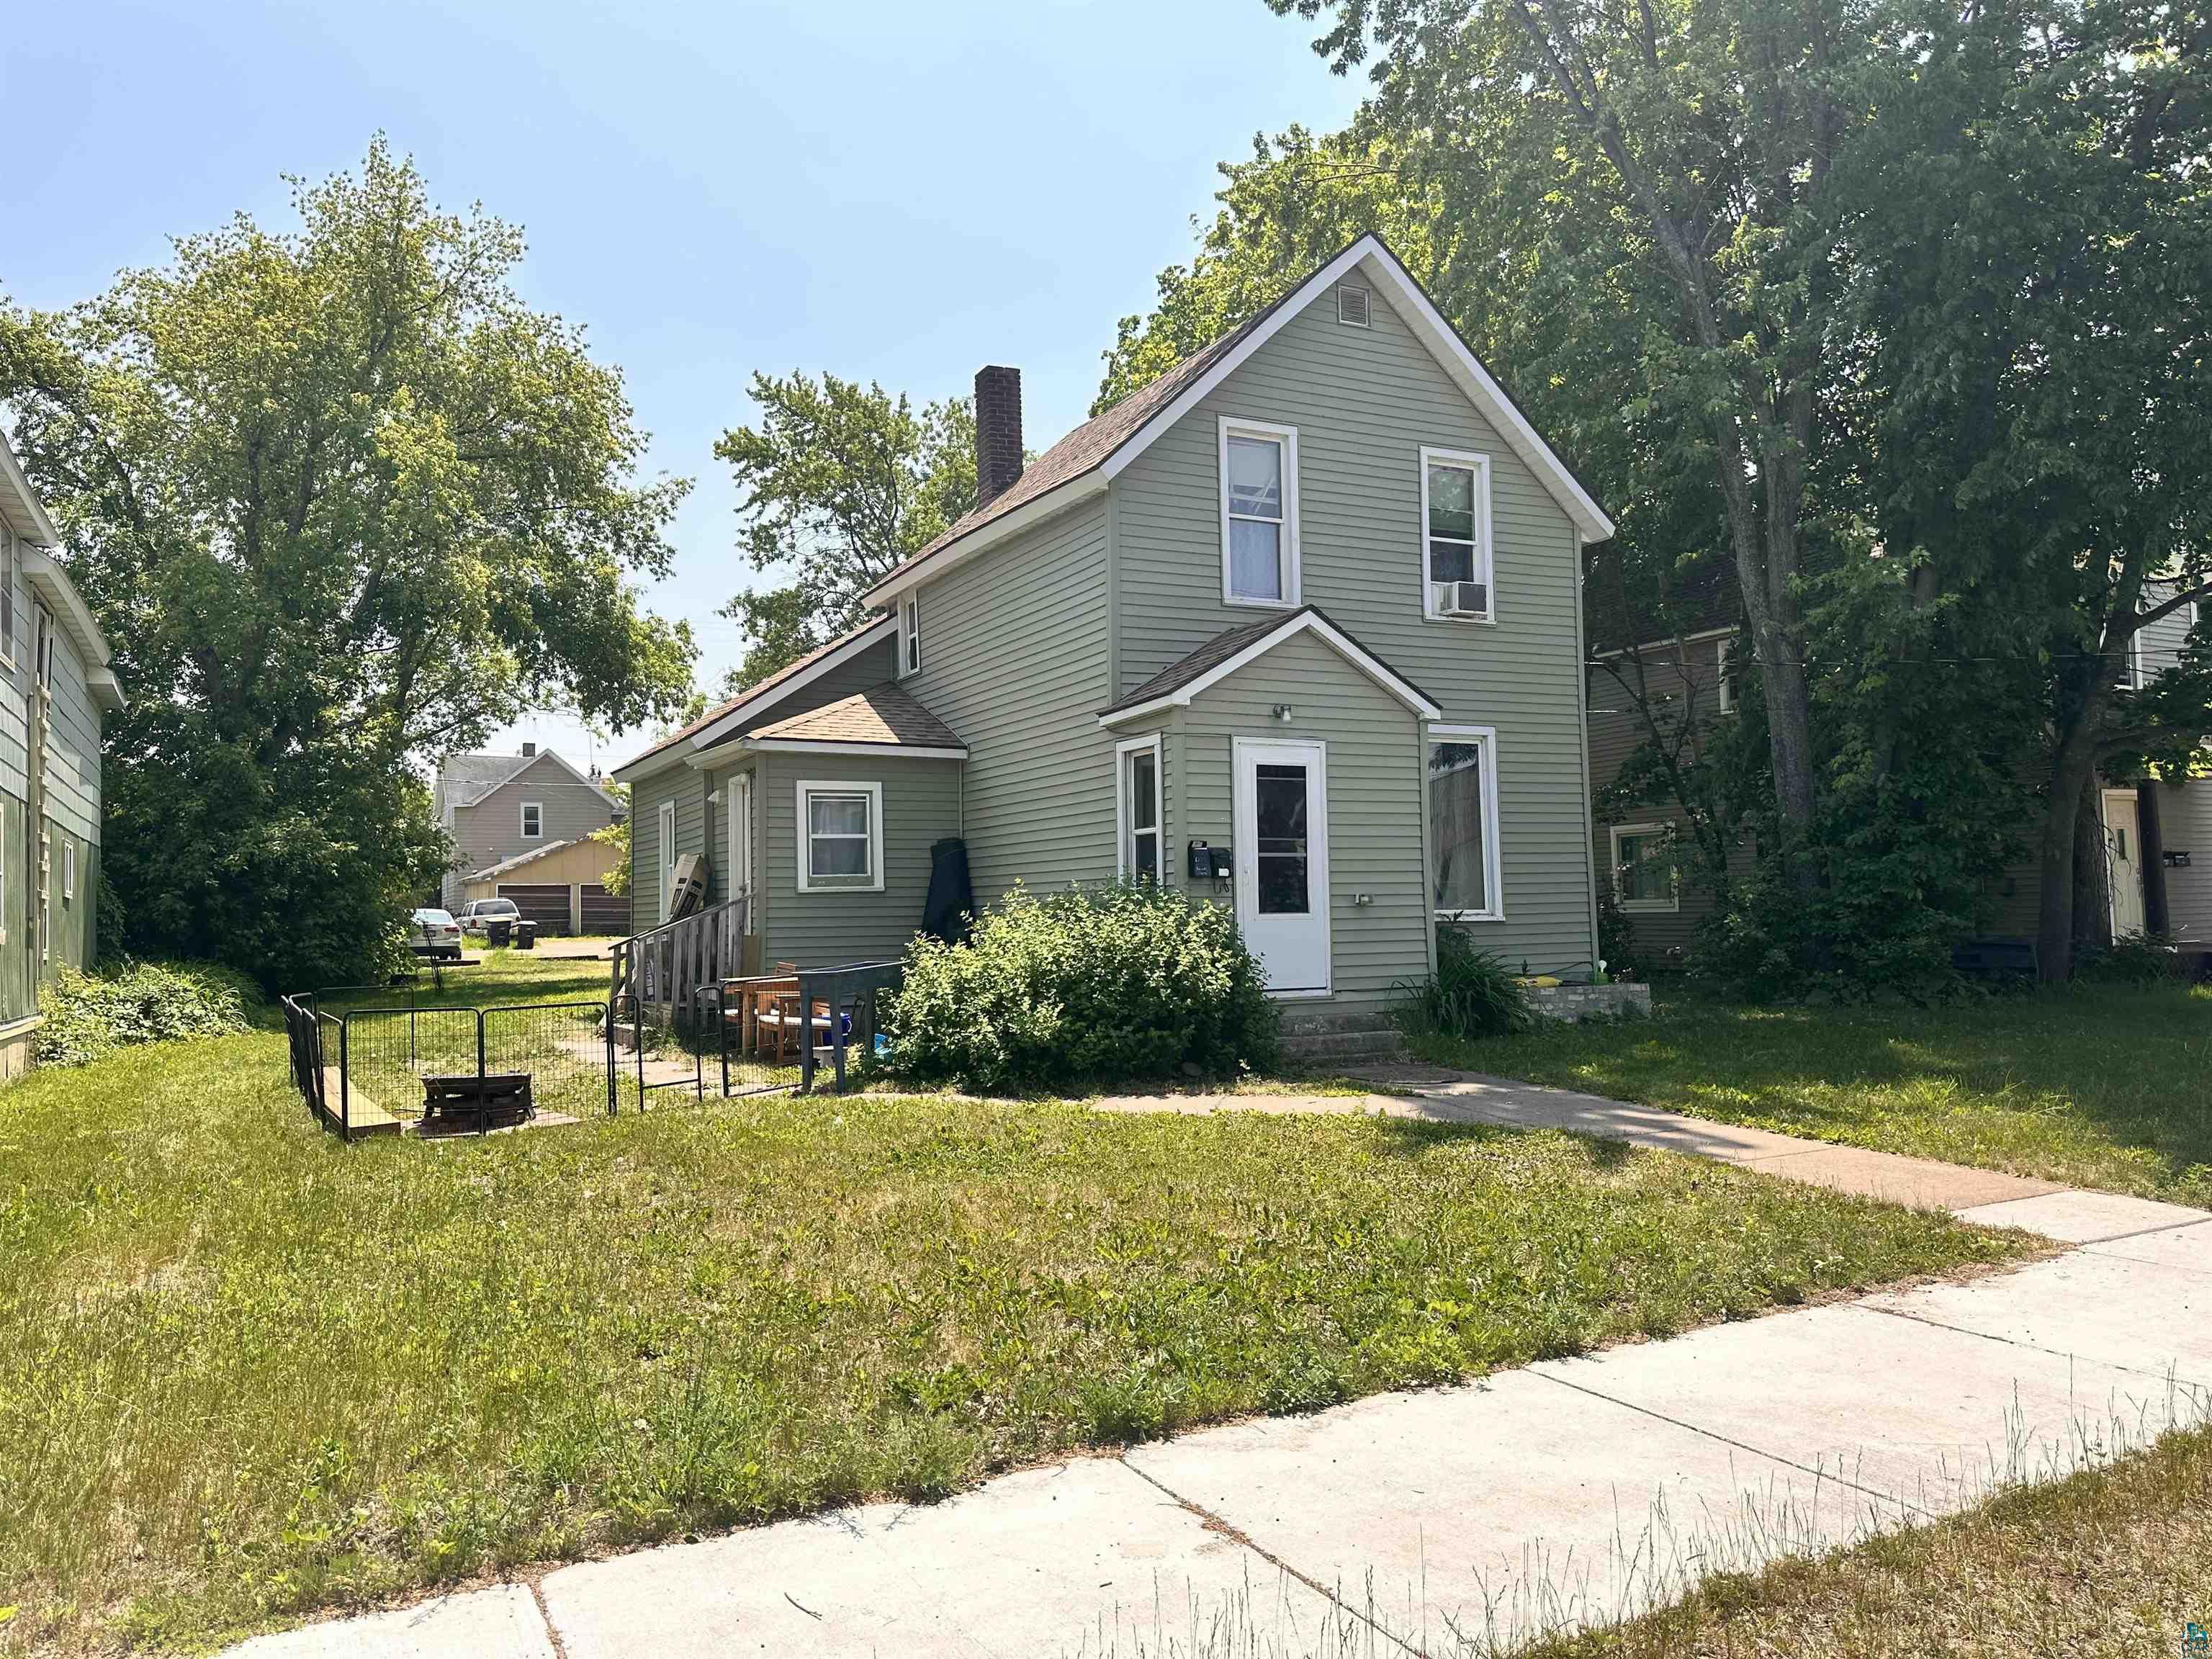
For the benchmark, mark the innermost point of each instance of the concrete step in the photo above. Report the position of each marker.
(1333, 1048)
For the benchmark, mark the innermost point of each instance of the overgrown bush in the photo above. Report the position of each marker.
(1472, 993)
(89, 1016)
(1129, 980)
(2132, 959)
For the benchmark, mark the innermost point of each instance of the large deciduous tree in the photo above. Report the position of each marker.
(841, 482)
(342, 502)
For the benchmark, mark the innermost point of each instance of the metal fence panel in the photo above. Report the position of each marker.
(561, 1047)
(389, 1052)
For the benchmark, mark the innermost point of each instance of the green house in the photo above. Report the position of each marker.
(1296, 627)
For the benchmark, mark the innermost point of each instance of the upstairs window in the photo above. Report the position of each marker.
(1140, 807)
(1259, 513)
(1456, 536)
(910, 636)
(533, 820)
(45, 657)
(7, 599)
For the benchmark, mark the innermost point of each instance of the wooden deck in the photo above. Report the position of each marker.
(363, 1115)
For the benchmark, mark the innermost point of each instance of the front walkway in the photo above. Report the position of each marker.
(1560, 1493)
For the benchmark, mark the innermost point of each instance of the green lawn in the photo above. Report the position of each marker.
(2109, 1565)
(247, 1373)
(2098, 1087)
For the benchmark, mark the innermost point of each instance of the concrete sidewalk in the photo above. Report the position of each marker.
(1561, 1494)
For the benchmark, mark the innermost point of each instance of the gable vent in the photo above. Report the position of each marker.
(1351, 305)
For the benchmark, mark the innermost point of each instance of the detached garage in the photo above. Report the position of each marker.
(561, 887)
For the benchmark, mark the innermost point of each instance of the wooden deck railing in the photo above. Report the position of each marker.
(664, 965)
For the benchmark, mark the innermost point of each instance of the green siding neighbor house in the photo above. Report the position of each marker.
(1296, 628)
(55, 685)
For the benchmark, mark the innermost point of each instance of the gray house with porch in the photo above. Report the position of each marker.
(1296, 628)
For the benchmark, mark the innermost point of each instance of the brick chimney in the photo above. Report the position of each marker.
(998, 431)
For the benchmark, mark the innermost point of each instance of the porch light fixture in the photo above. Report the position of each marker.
(1281, 711)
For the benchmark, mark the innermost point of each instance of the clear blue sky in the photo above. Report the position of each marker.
(897, 191)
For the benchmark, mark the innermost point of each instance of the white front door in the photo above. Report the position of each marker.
(1282, 860)
(2123, 861)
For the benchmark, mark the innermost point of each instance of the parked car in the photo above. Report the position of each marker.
(477, 913)
(434, 932)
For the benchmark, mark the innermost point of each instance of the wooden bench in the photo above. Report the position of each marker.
(494, 1101)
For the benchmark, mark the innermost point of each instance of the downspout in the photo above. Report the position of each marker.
(1581, 712)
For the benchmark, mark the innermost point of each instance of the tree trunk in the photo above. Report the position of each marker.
(2158, 918)
(2070, 767)
(2092, 899)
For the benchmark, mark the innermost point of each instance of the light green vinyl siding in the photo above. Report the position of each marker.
(1376, 803)
(1013, 646)
(688, 788)
(1364, 402)
(819, 928)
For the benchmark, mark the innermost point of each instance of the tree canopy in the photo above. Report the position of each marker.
(841, 482)
(342, 502)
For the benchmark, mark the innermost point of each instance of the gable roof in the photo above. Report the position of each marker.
(506, 865)
(1221, 656)
(464, 780)
(1096, 451)
(729, 715)
(883, 716)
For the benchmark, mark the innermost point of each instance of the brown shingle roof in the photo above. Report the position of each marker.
(878, 620)
(882, 714)
(1088, 447)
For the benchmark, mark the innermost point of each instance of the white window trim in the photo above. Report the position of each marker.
(1486, 572)
(1288, 436)
(664, 854)
(1668, 906)
(523, 820)
(1123, 864)
(2136, 660)
(909, 640)
(805, 850)
(8, 632)
(68, 869)
(1367, 296)
(1493, 857)
(1724, 673)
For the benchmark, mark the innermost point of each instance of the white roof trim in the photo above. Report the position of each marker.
(1054, 501)
(706, 736)
(107, 689)
(1306, 621)
(52, 584)
(524, 765)
(20, 504)
(815, 746)
(1444, 345)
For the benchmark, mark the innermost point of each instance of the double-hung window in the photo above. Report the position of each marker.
(665, 824)
(1465, 876)
(533, 820)
(1456, 536)
(1259, 513)
(842, 825)
(1644, 868)
(910, 636)
(1140, 814)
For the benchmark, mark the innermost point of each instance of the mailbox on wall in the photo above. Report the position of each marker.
(1210, 863)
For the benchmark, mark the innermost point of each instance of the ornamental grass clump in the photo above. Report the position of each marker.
(1472, 993)
(1104, 984)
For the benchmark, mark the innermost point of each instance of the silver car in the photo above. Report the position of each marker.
(434, 932)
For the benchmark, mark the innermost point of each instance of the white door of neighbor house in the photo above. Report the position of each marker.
(2123, 861)
(1282, 860)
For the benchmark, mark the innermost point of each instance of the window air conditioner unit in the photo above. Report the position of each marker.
(1463, 598)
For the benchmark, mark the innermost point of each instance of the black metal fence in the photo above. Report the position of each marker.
(380, 1066)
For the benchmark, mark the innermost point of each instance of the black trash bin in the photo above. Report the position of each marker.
(498, 929)
(525, 936)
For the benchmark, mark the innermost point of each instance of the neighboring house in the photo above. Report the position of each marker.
(1309, 600)
(1690, 677)
(495, 809)
(55, 685)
